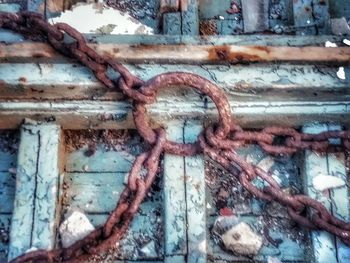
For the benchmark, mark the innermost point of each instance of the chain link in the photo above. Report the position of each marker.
(219, 142)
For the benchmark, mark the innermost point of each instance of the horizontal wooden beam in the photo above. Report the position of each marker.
(117, 115)
(191, 54)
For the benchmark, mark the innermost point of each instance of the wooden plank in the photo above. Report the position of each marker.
(99, 192)
(303, 19)
(323, 243)
(321, 15)
(339, 196)
(175, 198)
(256, 82)
(190, 18)
(34, 214)
(101, 161)
(255, 15)
(167, 6)
(195, 199)
(192, 54)
(172, 23)
(7, 192)
(117, 115)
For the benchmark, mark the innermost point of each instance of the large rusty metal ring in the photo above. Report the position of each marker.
(150, 89)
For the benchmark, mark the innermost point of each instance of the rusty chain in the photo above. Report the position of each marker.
(219, 142)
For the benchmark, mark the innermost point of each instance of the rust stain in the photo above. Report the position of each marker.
(39, 55)
(307, 9)
(2, 83)
(224, 53)
(116, 50)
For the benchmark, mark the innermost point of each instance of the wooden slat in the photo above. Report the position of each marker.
(175, 198)
(34, 214)
(108, 115)
(255, 15)
(195, 199)
(172, 23)
(190, 18)
(323, 243)
(99, 192)
(302, 10)
(256, 82)
(190, 54)
(7, 161)
(101, 161)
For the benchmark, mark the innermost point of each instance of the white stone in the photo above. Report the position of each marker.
(341, 73)
(266, 163)
(273, 260)
(324, 182)
(75, 227)
(32, 249)
(242, 240)
(96, 18)
(330, 44)
(346, 42)
(149, 249)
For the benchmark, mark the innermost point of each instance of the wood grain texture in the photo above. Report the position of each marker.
(192, 54)
(34, 213)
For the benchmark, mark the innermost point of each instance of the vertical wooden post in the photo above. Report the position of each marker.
(190, 17)
(37, 185)
(195, 199)
(174, 199)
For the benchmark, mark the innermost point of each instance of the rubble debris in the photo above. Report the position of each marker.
(340, 26)
(208, 28)
(341, 73)
(266, 163)
(330, 44)
(324, 182)
(102, 20)
(75, 227)
(242, 240)
(234, 9)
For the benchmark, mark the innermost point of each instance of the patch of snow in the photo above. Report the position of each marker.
(96, 18)
(324, 182)
(330, 44)
(341, 73)
(74, 228)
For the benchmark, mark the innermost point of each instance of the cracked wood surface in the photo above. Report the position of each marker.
(37, 183)
(189, 54)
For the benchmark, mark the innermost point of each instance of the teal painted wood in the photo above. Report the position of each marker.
(256, 82)
(5, 222)
(6, 35)
(339, 196)
(302, 10)
(255, 15)
(190, 18)
(195, 199)
(321, 15)
(99, 192)
(323, 243)
(34, 214)
(7, 192)
(22, 220)
(7, 161)
(101, 161)
(172, 23)
(174, 197)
